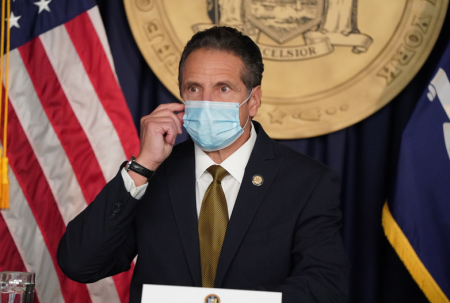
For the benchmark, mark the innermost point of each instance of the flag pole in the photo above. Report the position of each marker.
(4, 74)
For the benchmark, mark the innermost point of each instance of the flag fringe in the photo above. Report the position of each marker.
(4, 190)
(410, 258)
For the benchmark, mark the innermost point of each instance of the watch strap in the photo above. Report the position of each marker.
(139, 169)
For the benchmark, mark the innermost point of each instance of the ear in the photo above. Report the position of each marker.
(255, 101)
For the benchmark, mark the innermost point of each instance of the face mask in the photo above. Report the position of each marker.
(213, 125)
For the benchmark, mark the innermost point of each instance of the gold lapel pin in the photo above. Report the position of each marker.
(257, 180)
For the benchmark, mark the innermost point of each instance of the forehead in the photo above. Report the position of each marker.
(205, 64)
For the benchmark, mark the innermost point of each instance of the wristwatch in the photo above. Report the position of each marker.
(139, 169)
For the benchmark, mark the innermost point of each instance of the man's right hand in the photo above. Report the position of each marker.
(158, 133)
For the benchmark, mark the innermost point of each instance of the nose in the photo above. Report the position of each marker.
(207, 95)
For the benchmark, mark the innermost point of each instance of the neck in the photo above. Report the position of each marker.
(219, 156)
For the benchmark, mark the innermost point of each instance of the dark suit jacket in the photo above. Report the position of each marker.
(282, 235)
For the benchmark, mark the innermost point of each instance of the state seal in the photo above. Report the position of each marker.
(212, 299)
(328, 63)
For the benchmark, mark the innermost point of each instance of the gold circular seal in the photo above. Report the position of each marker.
(212, 299)
(257, 180)
(328, 63)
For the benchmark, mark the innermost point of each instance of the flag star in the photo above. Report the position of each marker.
(14, 20)
(43, 5)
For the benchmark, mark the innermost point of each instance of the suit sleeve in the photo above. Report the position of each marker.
(99, 242)
(320, 266)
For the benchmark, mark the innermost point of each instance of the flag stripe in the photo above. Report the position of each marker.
(64, 186)
(30, 243)
(63, 120)
(103, 291)
(84, 101)
(72, 137)
(86, 43)
(82, 34)
(44, 142)
(70, 129)
(94, 120)
(37, 192)
(10, 259)
(96, 19)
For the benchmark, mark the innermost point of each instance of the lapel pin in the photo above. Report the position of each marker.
(257, 180)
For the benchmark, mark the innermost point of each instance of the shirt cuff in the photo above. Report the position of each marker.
(135, 192)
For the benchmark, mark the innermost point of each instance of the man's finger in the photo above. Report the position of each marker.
(165, 125)
(173, 107)
(180, 116)
(176, 119)
(170, 137)
(165, 115)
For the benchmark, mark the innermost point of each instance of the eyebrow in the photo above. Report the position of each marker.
(226, 83)
(190, 83)
(218, 84)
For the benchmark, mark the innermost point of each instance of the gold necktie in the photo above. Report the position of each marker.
(212, 225)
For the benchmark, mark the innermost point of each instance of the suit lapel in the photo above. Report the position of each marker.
(262, 162)
(180, 172)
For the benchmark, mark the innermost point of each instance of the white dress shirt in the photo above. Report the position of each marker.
(235, 165)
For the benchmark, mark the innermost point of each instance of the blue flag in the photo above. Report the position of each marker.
(416, 217)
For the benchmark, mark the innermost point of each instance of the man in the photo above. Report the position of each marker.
(234, 209)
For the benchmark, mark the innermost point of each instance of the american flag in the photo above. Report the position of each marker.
(69, 129)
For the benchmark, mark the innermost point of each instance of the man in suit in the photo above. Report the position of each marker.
(230, 208)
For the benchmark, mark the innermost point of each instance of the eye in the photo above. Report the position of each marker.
(193, 89)
(224, 89)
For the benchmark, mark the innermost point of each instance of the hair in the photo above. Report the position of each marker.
(230, 40)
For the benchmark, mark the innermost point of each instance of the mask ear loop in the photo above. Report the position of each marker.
(248, 98)
(248, 118)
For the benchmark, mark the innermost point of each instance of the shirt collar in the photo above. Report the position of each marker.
(235, 164)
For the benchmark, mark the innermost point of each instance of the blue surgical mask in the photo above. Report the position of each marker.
(213, 125)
